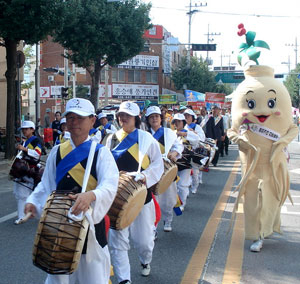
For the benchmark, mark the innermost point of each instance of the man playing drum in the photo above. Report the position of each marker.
(190, 118)
(190, 140)
(64, 172)
(167, 140)
(127, 145)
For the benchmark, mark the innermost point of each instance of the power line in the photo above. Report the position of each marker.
(229, 13)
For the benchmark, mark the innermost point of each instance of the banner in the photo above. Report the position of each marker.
(193, 96)
(44, 92)
(147, 62)
(132, 91)
(167, 99)
(214, 97)
(196, 105)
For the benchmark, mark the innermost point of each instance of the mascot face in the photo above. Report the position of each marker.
(263, 100)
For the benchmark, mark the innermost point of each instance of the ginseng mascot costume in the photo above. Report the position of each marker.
(262, 127)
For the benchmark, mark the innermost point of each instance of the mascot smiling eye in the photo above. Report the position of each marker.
(272, 103)
(251, 103)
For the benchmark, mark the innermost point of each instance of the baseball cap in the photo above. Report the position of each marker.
(178, 116)
(190, 112)
(80, 106)
(63, 120)
(129, 108)
(170, 109)
(101, 115)
(215, 106)
(27, 124)
(182, 107)
(153, 109)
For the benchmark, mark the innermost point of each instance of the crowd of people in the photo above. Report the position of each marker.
(139, 143)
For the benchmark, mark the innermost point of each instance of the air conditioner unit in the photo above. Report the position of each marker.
(51, 78)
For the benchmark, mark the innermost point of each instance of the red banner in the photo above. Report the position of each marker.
(214, 97)
(196, 105)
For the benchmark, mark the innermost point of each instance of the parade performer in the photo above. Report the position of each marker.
(190, 118)
(126, 144)
(31, 152)
(215, 130)
(190, 140)
(171, 148)
(105, 127)
(65, 134)
(64, 172)
(262, 127)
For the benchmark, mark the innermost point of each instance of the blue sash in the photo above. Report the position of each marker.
(127, 143)
(192, 125)
(93, 131)
(73, 158)
(159, 133)
(107, 125)
(29, 140)
(183, 130)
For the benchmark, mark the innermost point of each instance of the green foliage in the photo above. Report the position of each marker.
(97, 33)
(29, 58)
(196, 77)
(292, 84)
(27, 85)
(82, 92)
(249, 48)
(30, 21)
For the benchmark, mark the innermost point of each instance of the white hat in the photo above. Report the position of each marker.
(80, 106)
(153, 109)
(129, 108)
(63, 120)
(178, 116)
(190, 112)
(27, 124)
(101, 115)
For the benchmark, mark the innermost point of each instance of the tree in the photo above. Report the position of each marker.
(292, 84)
(29, 21)
(97, 33)
(196, 77)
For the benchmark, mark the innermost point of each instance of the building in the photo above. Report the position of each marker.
(144, 77)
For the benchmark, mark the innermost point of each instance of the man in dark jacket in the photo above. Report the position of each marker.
(215, 130)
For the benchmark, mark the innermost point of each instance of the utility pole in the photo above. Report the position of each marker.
(296, 51)
(209, 40)
(190, 14)
(74, 80)
(37, 86)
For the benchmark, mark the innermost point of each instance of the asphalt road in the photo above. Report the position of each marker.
(199, 250)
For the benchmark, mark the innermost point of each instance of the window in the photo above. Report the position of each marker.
(147, 46)
(118, 75)
(134, 76)
(151, 77)
(102, 75)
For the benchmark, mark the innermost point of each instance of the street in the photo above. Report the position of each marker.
(200, 249)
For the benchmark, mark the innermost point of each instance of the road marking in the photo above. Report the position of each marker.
(195, 267)
(234, 262)
(295, 171)
(285, 211)
(9, 216)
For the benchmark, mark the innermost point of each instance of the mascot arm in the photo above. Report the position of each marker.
(240, 140)
(284, 140)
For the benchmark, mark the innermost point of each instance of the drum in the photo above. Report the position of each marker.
(200, 153)
(169, 175)
(19, 168)
(128, 203)
(58, 243)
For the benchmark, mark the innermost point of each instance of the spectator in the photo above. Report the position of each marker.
(56, 126)
(47, 118)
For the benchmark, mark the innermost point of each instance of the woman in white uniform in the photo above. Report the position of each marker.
(126, 144)
(190, 140)
(170, 148)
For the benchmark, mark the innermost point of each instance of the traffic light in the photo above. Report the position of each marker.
(64, 92)
(204, 47)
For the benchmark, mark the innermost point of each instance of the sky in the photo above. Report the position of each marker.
(276, 22)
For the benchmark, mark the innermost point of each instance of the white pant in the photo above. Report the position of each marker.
(167, 201)
(21, 193)
(195, 178)
(183, 185)
(141, 233)
(86, 272)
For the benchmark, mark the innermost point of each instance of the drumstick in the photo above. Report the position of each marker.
(26, 218)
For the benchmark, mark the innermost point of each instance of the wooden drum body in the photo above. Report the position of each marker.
(128, 202)
(58, 243)
(169, 175)
(19, 168)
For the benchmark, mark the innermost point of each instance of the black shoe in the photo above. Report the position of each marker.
(125, 282)
(222, 155)
(226, 153)
(215, 164)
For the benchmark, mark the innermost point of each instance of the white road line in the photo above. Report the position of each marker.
(9, 216)
(285, 211)
(295, 171)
